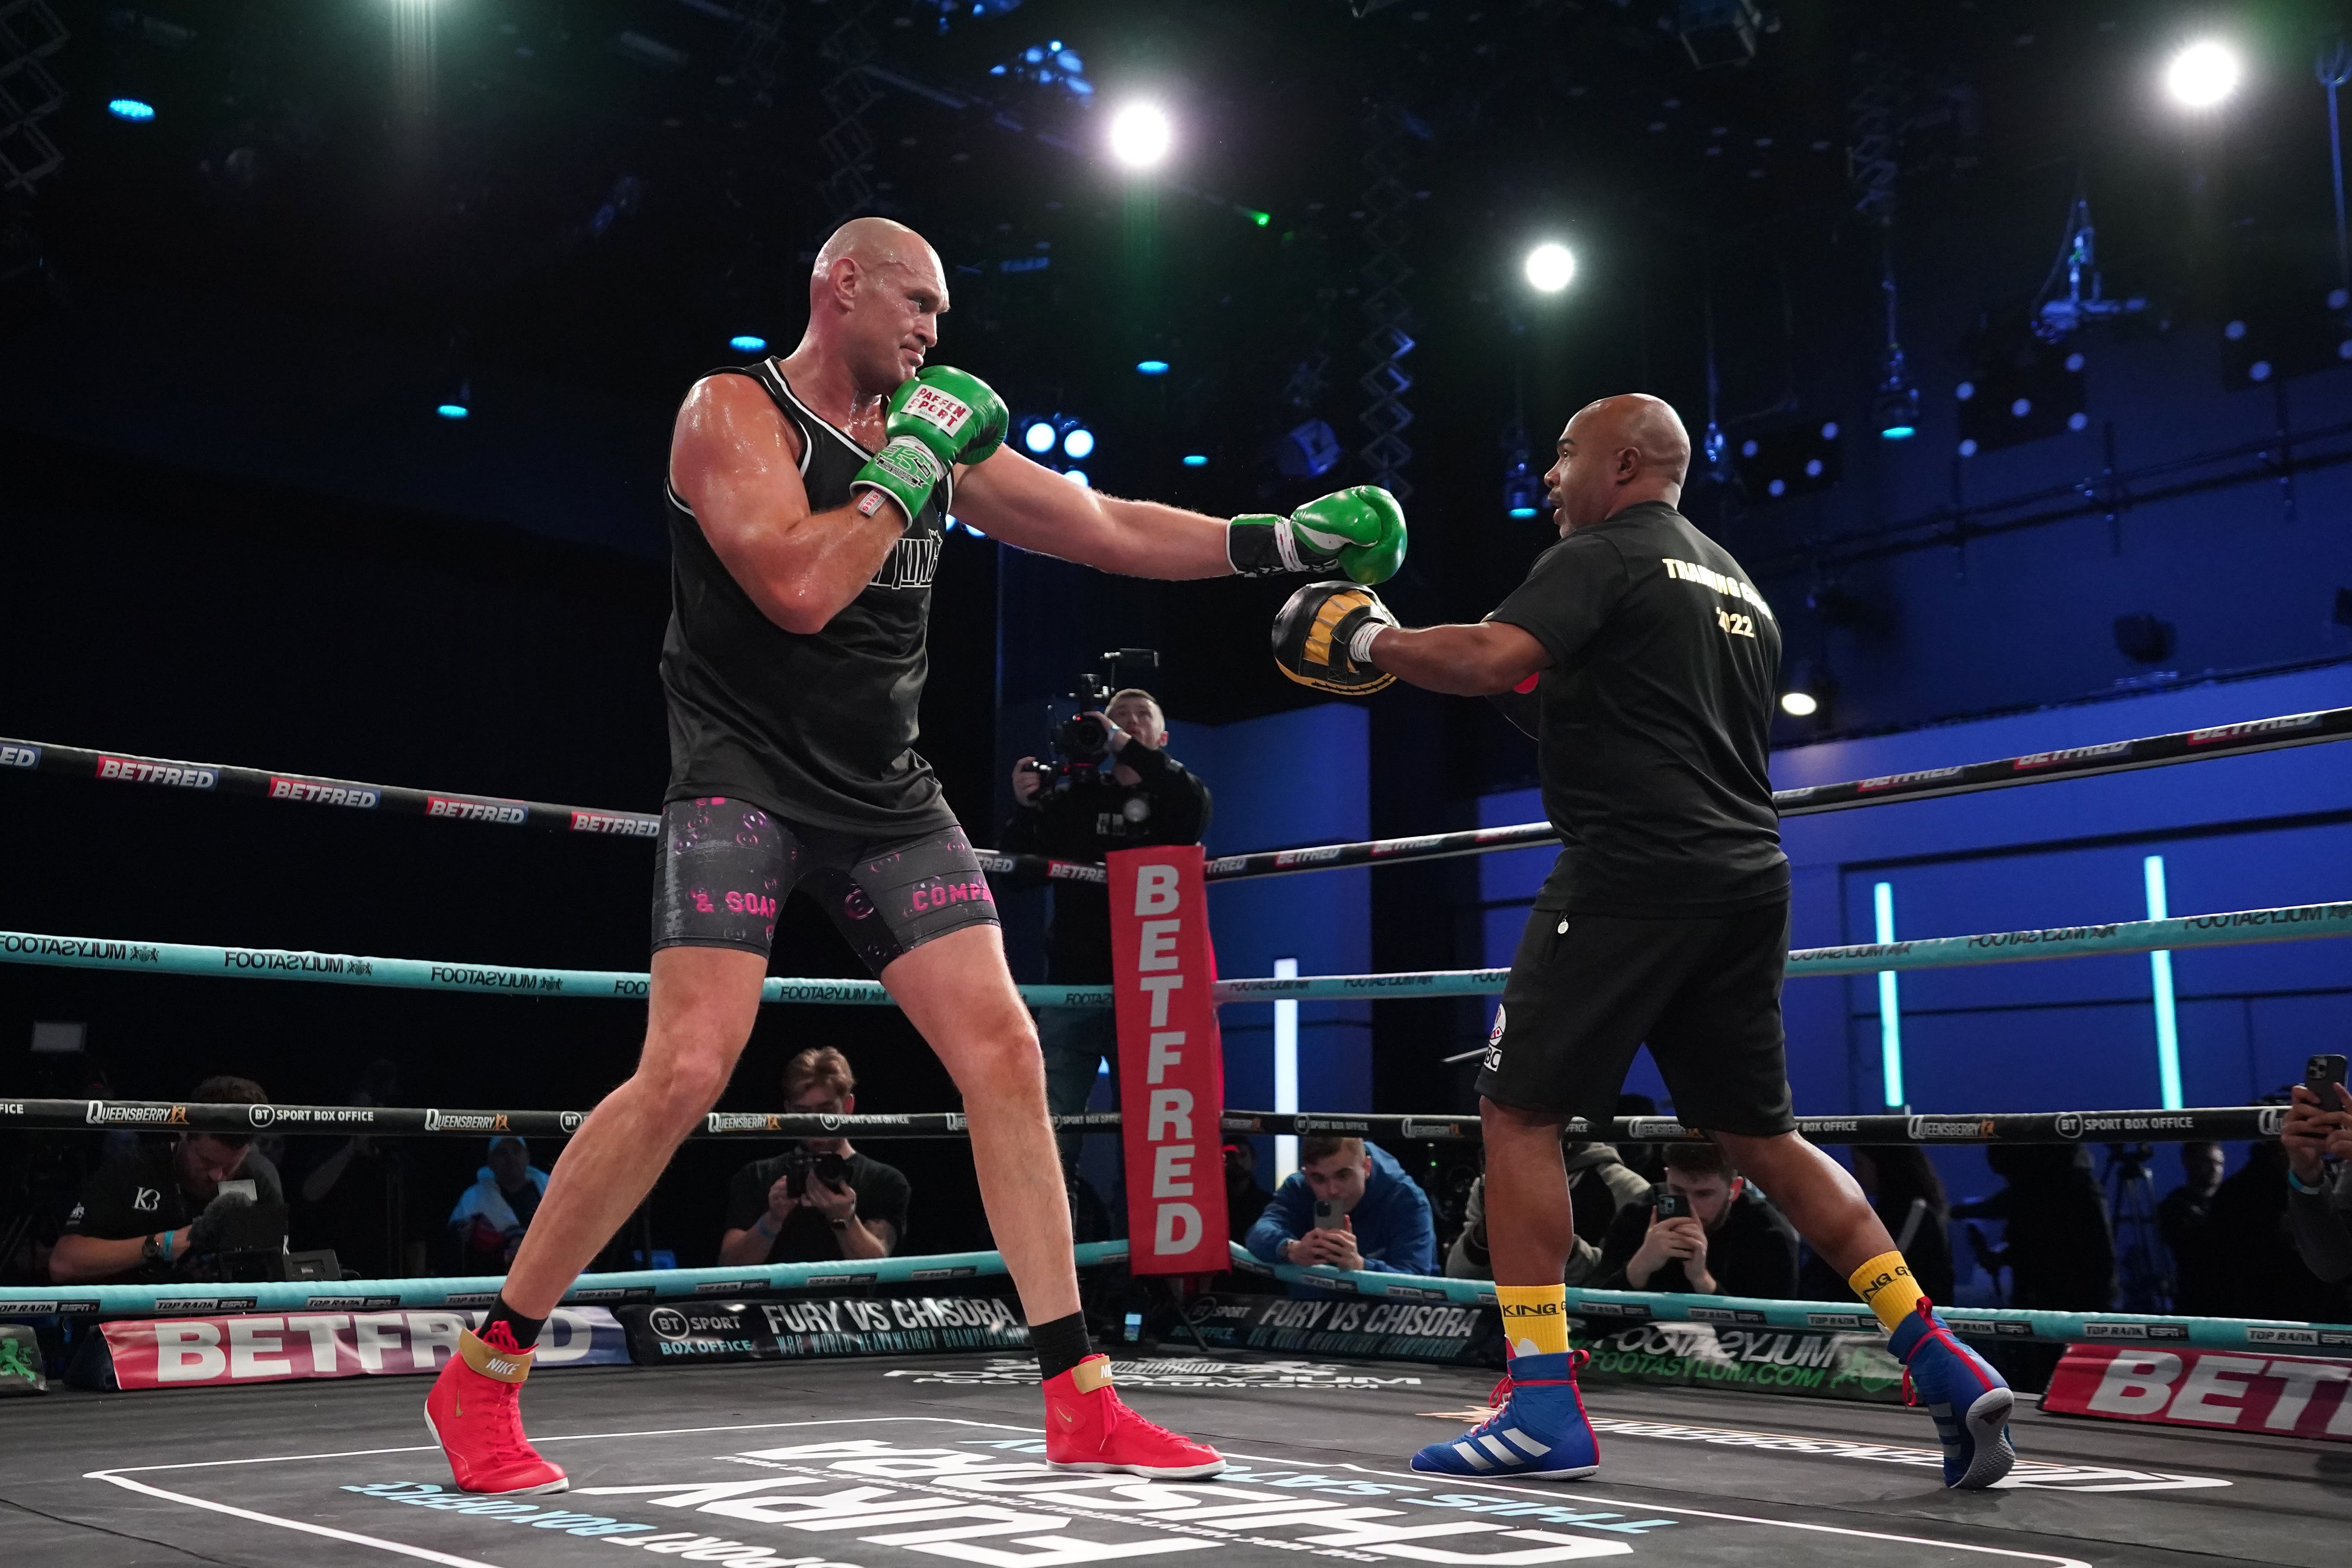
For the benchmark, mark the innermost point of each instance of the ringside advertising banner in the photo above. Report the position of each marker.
(1172, 1060)
(674, 1333)
(2304, 1395)
(1824, 1363)
(278, 1347)
(1440, 1331)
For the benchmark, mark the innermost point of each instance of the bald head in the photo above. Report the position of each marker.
(874, 244)
(875, 294)
(1615, 453)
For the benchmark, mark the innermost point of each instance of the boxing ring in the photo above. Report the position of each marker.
(883, 1414)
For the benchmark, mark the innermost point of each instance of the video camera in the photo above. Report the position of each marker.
(1080, 746)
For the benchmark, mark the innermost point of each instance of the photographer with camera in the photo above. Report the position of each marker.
(1707, 1231)
(2317, 1138)
(821, 1199)
(1112, 787)
(172, 1207)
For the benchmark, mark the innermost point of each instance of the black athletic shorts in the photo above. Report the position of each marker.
(725, 867)
(1586, 991)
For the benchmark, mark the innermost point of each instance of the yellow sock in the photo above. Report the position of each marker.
(1887, 1288)
(1535, 1318)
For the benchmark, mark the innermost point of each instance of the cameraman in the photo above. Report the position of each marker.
(142, 1219)
(2317, 1137)
(820, 1200)
(1729, 1240)
(1142, 796)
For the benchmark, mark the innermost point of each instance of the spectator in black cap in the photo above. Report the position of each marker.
(491, 1216)
(144, 1218)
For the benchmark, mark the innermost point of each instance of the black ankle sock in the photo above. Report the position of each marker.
(1060, 1344)
(525, 1330)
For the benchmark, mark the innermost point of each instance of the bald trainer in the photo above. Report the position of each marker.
(1644, 662)
(808, 496)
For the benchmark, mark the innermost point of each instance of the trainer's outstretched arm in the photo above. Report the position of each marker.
(1033, 508)
(733, 462)
(1461, 660)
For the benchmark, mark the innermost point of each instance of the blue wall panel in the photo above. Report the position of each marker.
(1300, 777)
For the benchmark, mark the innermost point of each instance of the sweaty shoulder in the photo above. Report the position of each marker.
(728, 421)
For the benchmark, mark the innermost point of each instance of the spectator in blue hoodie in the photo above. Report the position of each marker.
(1386, 1227)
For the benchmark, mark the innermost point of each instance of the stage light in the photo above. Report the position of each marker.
(1151, 368)
(1808, 690)
(746, 343)
(1551, 267)
(1040, 436)
(1079, 443)
(453, 411)
(1077, 476)
(1140, 135)
(2202, 75)
(1897, 432)
(1523, 511)
(1196, 460)
(1799, 704)
(130, 108)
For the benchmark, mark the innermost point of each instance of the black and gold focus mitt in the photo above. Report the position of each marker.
(1320, 631)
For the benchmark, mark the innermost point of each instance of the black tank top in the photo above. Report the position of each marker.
(818, 729)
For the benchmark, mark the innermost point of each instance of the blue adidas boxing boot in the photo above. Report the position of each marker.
(1968, 1400)
(1539, 1433)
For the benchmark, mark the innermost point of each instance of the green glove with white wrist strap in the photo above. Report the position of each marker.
(1360, 531)
(937, 418)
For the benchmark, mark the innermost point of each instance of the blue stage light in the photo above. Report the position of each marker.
(1151, 368)
(1196, 460)
(1077, 476)
(1523, 511)
(130, 108)
(1079, 443)
(1040, 436)
(747, 343)
(1899, 433)
(453, 411)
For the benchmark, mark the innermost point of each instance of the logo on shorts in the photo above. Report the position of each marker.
(857, 904)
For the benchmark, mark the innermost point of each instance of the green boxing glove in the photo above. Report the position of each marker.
(938, 418)
(1360, 531)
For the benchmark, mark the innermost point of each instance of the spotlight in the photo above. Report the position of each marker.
(1307, 451)
(1079, 443)
(1808, 690)
(1196, 460)
(2202, 75)
(453, 411)
(1151, 368)
(747, 343)
(1077, 476)
(1040, 436)
(1551, 267)
(1140, 135)
(130, 108)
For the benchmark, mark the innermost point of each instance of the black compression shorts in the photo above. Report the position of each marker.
(1586, 991)
(725, 867)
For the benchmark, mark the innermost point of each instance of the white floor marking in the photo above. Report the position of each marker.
(120, 1477)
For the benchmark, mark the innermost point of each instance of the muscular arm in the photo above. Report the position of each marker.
(1462, 661)
(735, 462)
(1033, 508)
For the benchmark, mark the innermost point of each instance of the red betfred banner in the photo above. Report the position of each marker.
(1172, 1061)
(2244, 1393)
(190, 1352)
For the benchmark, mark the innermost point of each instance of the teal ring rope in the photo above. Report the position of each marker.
(2298, 923)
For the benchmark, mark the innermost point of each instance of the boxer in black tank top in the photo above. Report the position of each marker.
(794, 667)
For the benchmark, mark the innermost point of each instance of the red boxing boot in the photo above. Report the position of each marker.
(1087, 1428)
(475, 1414)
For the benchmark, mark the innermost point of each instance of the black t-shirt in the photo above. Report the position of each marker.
(1168, 804)
(140, 1194)
(1654, 721)
(820, 727)
(807, 1236)
(1752, 1253)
